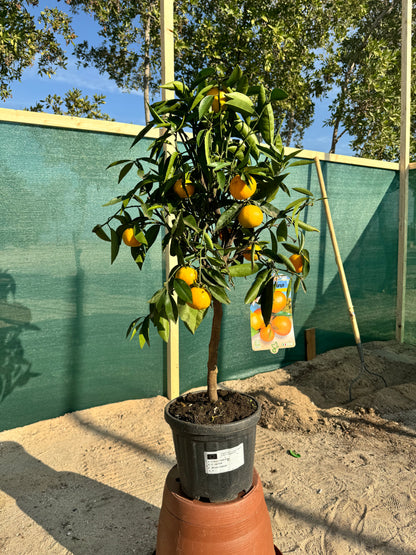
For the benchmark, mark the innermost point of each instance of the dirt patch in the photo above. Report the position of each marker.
(197, 408)
(92, 481)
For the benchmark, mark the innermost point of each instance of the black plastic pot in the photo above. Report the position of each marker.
(215, 462)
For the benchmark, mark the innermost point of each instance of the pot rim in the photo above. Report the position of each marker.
(213, 429)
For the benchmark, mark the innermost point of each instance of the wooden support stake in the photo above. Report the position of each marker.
(310, 343)
(168, 74)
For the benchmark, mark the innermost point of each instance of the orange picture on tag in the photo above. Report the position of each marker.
(279, 333)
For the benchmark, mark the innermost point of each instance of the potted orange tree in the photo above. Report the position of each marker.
(213, 183)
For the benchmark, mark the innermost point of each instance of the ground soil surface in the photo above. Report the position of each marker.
(92, 481)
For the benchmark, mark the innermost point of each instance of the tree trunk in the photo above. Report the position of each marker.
(213, 352)
(146, 63)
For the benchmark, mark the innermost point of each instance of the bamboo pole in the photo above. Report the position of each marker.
(406, 52)
(168, 74)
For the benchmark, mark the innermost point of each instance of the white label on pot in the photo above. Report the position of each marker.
(226, 460)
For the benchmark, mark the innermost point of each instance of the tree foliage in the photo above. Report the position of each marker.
(210, 137)
(363, 66)
(73, 104)
(26, 41)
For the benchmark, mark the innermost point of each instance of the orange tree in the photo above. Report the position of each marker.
(208, 182)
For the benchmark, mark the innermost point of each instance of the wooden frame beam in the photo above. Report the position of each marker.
(406, 66)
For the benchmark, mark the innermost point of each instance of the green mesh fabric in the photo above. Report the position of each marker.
(410, 298)
(64, 309)
(364, 206)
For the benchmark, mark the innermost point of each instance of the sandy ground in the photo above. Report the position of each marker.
(92, 481)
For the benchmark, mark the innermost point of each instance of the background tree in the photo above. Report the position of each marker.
(73, 104)
(130, 49)
(364, 68)
(272, 42)
(26, 41)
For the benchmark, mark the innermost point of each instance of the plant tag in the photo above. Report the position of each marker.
(279, 334)
(225, 460)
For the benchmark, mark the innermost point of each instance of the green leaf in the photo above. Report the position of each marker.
(227, 216)
(249, 136)
(266, 124)
(191, 317)
(219, 294)
(170, 170)
(205, 105)
(207, 146)
(278, 94)
(302, 191)
(266, 301)
(202, 93)
(151, 235)
(115, 200)
(115, 244)
(182, 290)
(125, 170)
(287, 262)
(98, 230)
(116, 163)
(243, 270)
(144, 332)
(163, 326)
(307, 227)
(169, 307)
(143, 133)
(234, 77)
(256, 286)
(240, 103)
(281, 231)
(191, 222)
(157, 296)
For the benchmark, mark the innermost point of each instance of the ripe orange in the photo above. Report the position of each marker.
(279, 301)
(250, 216)
(240, 190)
(187, 274)
(256, 319)
(219, 100)
(297, 261)
(184, 190)
(267, 333)
(247, 252)
(129, 238)
(201, 299)
(281, 325)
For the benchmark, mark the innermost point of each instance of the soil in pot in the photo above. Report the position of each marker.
(196, 407)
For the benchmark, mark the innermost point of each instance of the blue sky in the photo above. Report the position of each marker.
(123, 106)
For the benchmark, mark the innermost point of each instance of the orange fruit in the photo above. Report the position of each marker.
(201, 299)
(250, 216)
(281, 325)
(129, 238)
(256, 319)
(247, 252)
(297, 261)
(184, 190)
(219, 99)
(187, 274)
(267, 333)
(279, 301)
(240, 190)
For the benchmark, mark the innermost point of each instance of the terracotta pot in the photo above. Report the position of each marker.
(215, 462)
(192, 527)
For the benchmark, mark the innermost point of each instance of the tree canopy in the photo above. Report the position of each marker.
(347, 51)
